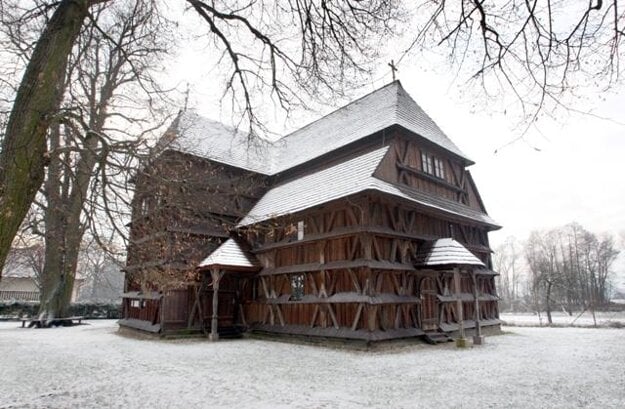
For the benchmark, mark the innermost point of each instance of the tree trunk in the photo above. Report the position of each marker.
(23, 154)
(64, 230)
(548, 302)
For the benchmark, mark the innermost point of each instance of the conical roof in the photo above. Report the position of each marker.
(446, 252)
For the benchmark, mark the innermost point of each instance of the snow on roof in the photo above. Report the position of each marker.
(15, 270)
(199, 136)
(341, 180)
(385, 107)
(230, 254)
(446, 251)
(319, 187)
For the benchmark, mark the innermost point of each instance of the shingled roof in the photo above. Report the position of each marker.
(388, 106)
(445, 252)
(193, 134)
(383, 108)
(230, 254)
(341, 180)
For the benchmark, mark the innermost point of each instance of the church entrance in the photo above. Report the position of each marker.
(429, 304)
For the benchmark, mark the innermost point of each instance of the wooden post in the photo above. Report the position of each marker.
(460, 342)
(478, 339)
(162, 312)
(216, 275)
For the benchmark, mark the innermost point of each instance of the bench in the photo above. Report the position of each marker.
(66, 322)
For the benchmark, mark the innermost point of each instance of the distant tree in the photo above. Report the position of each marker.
(570, 267)
(508, 259)
(101, 272)
(27, 255)
(544, 269)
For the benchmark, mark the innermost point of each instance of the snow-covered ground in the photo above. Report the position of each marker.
(90, 366)
(603, 319)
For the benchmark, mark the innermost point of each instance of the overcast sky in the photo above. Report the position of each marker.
(567, 168)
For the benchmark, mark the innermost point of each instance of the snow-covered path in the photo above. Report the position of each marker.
(90, 366)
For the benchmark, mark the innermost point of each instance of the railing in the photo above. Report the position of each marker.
(19, 295)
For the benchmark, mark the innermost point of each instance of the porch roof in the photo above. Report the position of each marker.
(230, 256)
(446, 252)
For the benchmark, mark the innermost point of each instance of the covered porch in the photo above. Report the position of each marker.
(218, 299)
(211, 305)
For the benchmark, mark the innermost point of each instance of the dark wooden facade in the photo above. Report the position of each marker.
(343, 269)
(183, 209)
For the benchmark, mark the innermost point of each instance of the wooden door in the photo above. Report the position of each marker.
(429, 304)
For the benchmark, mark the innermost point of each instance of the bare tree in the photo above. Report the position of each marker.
(101, 272)
(27, 254)
(332, 40)
(508, 263)
(23, 154)
(110, 77)
(541, 252)
(570, 267)
(539, 50)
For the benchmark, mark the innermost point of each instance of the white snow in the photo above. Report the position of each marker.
(91, 366)
(604, 319)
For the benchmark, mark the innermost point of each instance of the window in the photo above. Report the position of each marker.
(135, 304)
(300, 230)
(426, 163)
(439, 168)
(144, 207)
(432, 165)
(297, 287)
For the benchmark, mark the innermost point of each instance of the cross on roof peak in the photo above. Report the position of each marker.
(393, 68)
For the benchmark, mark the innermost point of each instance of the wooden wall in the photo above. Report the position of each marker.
(355, 260)
(403, 165)
(183, 208)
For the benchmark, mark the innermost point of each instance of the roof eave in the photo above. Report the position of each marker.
(242, 269)
(462, 158)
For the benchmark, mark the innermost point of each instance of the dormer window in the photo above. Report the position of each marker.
(300, 230)
(439, 168)
(427, 163)
(432, 165)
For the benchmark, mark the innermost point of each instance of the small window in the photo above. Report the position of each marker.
(432, 165)
(144, 207)
(297, 287)
(426, 163)
(135, 304)
(439, 168)
(300, 230)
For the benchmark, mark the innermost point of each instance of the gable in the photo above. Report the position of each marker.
(404, 166)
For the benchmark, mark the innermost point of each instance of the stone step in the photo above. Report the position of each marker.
(436, 338)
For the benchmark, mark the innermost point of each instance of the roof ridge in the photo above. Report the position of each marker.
(357, 100)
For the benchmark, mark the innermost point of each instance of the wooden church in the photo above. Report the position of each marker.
(363, 225)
